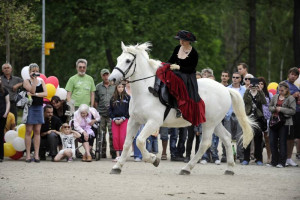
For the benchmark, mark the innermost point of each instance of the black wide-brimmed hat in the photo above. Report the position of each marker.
(185, 35)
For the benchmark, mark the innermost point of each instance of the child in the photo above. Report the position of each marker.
(151, 143)
(68, 137)
(119, 114)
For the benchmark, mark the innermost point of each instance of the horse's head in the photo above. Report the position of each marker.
(126, 62)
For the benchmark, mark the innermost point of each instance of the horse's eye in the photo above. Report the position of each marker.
(127, 61)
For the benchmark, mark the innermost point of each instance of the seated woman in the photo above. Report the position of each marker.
(84, 118)
(182, 82)
(68, 137)
(59, 108)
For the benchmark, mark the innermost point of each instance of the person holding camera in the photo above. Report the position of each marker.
(36, 89)
(254, 98)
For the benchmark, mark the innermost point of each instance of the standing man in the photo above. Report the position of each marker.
(104, 92)
(293, 75)
(81, 87)
(243, 71)
(49, 133)
(230, 122)
(11, 84)
(224, 78)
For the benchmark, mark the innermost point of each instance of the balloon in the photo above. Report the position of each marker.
(22, 131)
(42, 76)
(273, 91)
(61, 93)
(17, 156)
(9, 150)
(10, 136)
(273, 85)
(25, 73)
(47, 101)
(19, 144)
(53, 80)
(50, 90)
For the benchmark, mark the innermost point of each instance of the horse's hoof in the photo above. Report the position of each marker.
(184, 172)
(228, 172)
(115, 171)
(156, 162)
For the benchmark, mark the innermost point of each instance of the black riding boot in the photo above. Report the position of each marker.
(154, 90)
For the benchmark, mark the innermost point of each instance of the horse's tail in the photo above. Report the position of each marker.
(245, 122)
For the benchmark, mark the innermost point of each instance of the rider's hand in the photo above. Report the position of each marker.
(174, 67)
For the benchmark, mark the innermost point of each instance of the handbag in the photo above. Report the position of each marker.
(277, 122)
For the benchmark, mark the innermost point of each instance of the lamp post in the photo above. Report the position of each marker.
(43, 39)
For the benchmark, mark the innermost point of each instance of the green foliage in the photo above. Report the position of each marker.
(94, 30)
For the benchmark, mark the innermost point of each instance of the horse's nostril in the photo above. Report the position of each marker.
(114, 80)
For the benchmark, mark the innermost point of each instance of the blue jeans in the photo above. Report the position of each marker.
(212, 151)
(173, 141)
(136, 150)
(152, 144)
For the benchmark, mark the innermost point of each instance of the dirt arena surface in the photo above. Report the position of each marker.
(139, 180)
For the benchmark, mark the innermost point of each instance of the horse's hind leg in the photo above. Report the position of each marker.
(225, 137)
(132, 129)
(149, 129)
(204, 145)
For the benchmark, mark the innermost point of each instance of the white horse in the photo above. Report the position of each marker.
(134, 65)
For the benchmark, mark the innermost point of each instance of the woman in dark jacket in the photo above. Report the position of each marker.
(4, 110)
(119, 114)
(59, 108)
(285, 104)
(254, 98)
(182, 82)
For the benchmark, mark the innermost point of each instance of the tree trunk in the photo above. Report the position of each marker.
(252, 37)
(110, 61)
(296, 32)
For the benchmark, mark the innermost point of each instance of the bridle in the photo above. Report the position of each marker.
(128, 69)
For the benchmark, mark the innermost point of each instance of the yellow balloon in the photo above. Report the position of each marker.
(51, 90)
(273, 85)
(9, 150)
(22, 131)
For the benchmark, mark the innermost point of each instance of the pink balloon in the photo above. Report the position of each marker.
(42, 76)
(273, 91)
(47, 101)
(17, 156)
(52, 80)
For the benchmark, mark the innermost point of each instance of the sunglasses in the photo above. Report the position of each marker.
(236, 77)
(247, 79)
(66, 127)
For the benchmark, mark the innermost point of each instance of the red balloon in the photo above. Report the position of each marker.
(17, 156)
(53, 80)
(273, 91)
(42, 76)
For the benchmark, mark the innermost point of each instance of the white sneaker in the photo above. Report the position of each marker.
(279, 166)
(132, 154)
(217, 162)
(137, 159)
(203, 162)
(290, 162)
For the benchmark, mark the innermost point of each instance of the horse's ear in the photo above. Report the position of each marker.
(123, 46)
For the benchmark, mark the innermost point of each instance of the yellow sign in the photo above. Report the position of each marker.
(49, 45)
(47, 52)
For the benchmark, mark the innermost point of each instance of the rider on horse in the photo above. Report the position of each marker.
(182, 82)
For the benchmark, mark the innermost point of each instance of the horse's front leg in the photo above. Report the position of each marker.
(132, 129)
(149, 128)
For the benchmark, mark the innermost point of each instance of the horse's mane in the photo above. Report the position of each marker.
(143, 49)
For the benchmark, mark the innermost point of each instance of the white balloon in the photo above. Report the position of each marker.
(19, 144)
(25, 73)
(61, 93)
(10, 136)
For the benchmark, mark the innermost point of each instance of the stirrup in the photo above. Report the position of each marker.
(153, 91)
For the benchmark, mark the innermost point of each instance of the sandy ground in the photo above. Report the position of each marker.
(139, 180)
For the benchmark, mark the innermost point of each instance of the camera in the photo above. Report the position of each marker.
(254, 82)
(35, 74)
